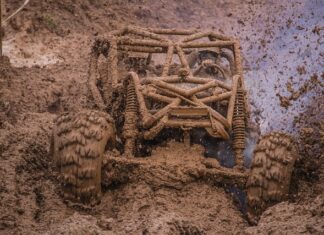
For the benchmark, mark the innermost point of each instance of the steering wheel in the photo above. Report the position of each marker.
(208, 63)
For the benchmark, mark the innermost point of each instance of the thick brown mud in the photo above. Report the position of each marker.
(48, 45)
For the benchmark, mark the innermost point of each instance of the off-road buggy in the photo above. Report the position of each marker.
(150, 85)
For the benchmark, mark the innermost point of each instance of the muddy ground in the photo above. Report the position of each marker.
(48, 45)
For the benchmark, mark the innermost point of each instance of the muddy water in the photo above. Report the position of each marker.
(286, 42)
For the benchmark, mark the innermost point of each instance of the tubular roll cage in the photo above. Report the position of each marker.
(155, 41)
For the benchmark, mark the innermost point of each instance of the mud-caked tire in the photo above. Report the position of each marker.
(78, 144)
(271, 170)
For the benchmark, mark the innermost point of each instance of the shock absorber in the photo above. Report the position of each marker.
(239, 127)
(130, 130)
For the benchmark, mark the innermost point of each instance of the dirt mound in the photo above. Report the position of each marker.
(168, 211)
(138, 209)
(291, 218)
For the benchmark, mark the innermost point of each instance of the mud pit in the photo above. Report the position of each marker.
(276, 40)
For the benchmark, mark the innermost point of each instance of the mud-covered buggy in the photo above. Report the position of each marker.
(150, 85)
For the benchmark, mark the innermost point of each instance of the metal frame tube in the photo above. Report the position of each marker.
(207, 44)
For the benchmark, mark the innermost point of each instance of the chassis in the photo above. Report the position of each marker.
(216, 103)
(197, 85)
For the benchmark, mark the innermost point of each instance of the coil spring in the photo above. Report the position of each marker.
(130, 130)
(131, 99)
(239, 121)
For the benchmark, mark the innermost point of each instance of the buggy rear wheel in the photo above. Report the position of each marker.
(78, 144)
(271, 171)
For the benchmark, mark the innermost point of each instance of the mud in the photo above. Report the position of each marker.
(313, 83)
(49, 43)
(165, 191)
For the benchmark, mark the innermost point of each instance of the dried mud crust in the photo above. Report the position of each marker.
(79, 140)
(272, 166)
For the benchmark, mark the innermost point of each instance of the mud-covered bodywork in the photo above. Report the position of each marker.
(197, 82)
(146, 82)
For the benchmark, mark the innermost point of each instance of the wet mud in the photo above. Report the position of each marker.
(49, 44)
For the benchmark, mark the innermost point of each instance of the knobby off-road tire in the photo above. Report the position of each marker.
(271, 171)
(78, 144)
